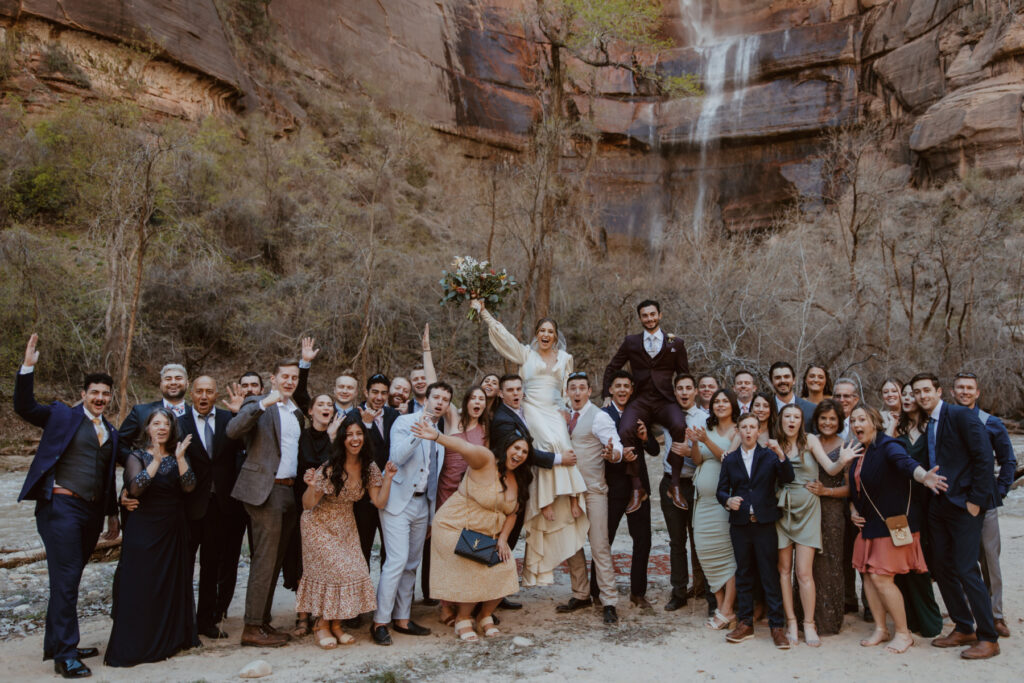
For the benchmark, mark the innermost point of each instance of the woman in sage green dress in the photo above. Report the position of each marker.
(710, 520)
(799, 524)
(923, 614)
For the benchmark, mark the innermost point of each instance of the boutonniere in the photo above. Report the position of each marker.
(670, 337)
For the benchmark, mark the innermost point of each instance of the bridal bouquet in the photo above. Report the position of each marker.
(472, 279)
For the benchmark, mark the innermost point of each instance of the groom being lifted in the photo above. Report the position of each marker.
(654, 359)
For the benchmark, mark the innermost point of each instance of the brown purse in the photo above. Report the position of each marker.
(898, 525)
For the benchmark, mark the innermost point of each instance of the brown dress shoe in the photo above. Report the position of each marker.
(640, 601)
(639, 496)
(742, 632)
(259, 636)
(677, 498)
(983, 649)
(779, 638)
(1002, 629)
(955, 639)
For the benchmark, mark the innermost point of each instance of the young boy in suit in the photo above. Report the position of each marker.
(746, 488)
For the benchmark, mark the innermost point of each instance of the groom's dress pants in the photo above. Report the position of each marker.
(652, 410)
(404, 535)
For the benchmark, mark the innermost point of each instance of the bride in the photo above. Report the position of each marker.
(555, 524)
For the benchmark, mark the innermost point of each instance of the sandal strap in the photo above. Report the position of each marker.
(463, 624)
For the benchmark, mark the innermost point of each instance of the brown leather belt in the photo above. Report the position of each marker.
(61, 491)
(285, 482)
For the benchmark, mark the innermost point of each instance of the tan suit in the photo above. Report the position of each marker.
(591, 465)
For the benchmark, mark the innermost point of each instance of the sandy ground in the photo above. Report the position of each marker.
(652, 644)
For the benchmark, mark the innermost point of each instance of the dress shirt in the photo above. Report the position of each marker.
(695, 417)
(744, 407)
(604, 429)
(291, 430)
(424, 479)
(748, 459)
(653, 342)
(935, 414)
(417, 407)
(779, 404)
(201, 422)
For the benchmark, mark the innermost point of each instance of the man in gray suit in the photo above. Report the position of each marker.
(270, 425)
(406, 518)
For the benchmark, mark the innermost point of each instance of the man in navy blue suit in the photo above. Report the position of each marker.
(746, 487)
(959, 445)
(71, 478)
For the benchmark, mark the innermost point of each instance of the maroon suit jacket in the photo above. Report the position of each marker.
(652, 376)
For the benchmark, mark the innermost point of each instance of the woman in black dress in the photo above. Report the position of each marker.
(154, 608)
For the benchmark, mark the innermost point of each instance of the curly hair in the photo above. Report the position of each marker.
(334, 469)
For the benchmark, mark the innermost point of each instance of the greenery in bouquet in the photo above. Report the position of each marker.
(473, 279)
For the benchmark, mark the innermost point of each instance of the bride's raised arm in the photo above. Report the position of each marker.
(501, 339)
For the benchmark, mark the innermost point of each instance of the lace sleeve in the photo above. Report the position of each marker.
(136, 477)
(188, 480)
(503, 341)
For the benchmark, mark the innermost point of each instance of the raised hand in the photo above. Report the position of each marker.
(273, 397)
(477, 305)
(332, 428)
(308, 352)
(697, 435)
(367, 415)
(308, 476)
(31, 354)
(390, 470)
(235, 397)
(424, 429)
(426, 337)
(179, 451)
(774, 446)
(851, 451)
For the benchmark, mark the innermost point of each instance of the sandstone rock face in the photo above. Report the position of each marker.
(777, 74)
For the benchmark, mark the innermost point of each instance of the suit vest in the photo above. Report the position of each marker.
(82, 468)
(588, 452)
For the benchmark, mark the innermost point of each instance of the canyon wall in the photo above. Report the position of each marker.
(946, 75)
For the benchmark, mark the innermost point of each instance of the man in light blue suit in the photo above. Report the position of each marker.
(406, 518)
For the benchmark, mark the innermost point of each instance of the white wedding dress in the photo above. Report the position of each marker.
(548, 544)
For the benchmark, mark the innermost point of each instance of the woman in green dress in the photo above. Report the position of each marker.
(799, 524)
(923, 614)
(710, 520)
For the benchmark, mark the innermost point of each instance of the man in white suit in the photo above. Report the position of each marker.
(406, 518)
(593, 448)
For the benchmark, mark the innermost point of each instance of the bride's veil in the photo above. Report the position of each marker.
(560, 345)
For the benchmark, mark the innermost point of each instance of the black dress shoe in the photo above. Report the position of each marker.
(574, 604)
(380, 635)
(71, 668)
(508, 604)
(430, 602)
(413, 629)
(610, 615)
(212, 631)
(83, 653)
(675, 603)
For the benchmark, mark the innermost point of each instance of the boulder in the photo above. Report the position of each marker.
(913, 72)
(255, 669)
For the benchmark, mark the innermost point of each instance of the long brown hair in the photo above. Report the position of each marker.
(780, 435)
(485, 415)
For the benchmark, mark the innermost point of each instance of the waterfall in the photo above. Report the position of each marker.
(718, 54)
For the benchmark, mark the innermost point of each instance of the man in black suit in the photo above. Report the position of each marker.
(173, 387)
(746, 487)
(377, 416)
(71, 478)
(216, 520)
(959, 445)
(654, 358)
(783, 379)
(619, 476)
(508, 416)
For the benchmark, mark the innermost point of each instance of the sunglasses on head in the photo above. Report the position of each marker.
(966, 375)
(578, 375)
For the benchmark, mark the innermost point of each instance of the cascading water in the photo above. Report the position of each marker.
(715, 52)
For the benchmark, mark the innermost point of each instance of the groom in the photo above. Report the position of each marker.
(654, 359)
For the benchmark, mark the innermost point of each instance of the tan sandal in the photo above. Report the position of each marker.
(342, 637)
(719, 621)
(324, 639)
(302, 627)
(464, 630)
(490, 630)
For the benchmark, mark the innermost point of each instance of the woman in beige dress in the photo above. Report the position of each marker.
(555, 524)
(335, 583)
(496, 484)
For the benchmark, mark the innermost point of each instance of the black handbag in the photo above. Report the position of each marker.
(478, 547)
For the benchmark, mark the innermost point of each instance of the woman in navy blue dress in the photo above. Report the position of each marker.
(154, 607)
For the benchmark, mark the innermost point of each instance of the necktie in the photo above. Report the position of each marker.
(649, 343)
(379, 421)
(572, 421)
(101, 432)
(208, 434)
(432, 472)
(931, 441)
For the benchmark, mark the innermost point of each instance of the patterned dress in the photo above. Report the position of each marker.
(335, 580)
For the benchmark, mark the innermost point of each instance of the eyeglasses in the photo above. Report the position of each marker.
(578, 375)
(966, 375)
